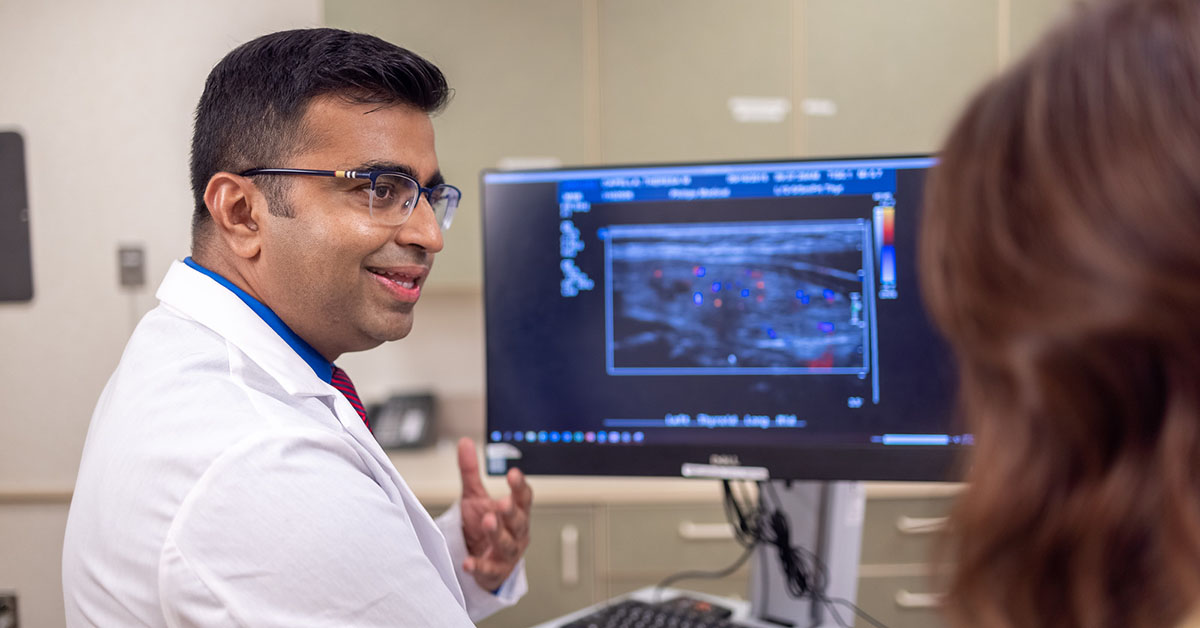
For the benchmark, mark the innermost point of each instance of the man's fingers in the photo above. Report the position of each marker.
(508, 548)
(499, 533)
(522, 493)
(516, 521)
(497, 561)
(468, 467)
(491, 525)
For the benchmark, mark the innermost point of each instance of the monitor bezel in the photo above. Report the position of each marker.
(821, 463)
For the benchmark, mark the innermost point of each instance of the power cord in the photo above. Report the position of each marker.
(805, 575)
(693, 575)
(745, 521)
(755, 523)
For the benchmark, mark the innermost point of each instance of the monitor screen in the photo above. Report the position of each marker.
(736, 318)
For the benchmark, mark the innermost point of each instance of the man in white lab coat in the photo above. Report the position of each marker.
(229, 476)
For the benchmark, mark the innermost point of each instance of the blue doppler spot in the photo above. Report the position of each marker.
(771, 333)
(806, 299)
(745, 293)
(716, 286)
(826, 327)
(830, 295)
(698, 298)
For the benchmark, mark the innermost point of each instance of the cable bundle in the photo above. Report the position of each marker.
(755, 523)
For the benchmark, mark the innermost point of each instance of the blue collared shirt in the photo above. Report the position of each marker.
(322, 367)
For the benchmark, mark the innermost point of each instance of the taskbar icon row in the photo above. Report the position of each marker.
(554, 436)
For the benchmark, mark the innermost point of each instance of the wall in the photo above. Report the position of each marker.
(103, 92)
(629, 81)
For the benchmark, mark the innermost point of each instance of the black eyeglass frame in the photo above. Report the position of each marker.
(374, 175)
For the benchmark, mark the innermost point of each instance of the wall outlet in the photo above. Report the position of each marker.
(8, 609)
(131, 269)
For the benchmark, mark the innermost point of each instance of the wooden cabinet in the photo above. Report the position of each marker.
(900, 601)
(1029, 19)
(669, 68)
(627, 81)
(892, 75)
(895, 576)
(648, 543)
(581, 554)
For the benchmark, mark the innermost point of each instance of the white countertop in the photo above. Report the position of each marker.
(432, 474)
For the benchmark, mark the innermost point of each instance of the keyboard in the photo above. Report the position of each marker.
(680, 612)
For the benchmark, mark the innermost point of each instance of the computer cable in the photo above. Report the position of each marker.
(805, 574)
(695, 575)
(754, 523)
(745, 518)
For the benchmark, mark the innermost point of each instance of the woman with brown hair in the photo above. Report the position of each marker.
(1061, 258)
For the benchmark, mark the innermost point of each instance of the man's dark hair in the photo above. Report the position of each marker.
(254, 99)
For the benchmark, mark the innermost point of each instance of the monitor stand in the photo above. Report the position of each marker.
(827, 519)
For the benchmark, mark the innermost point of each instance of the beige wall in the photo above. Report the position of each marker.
(103, 92)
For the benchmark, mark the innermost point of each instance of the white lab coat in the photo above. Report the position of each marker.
(224, 484)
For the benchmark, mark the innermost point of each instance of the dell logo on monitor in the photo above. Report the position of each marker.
(730, 460)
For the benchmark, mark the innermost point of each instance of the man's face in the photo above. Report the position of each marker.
(337, 278)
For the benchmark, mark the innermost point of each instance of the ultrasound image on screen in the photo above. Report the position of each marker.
(738, 298)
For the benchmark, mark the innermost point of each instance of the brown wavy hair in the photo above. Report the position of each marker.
(1060, 255)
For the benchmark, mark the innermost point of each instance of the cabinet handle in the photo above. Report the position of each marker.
(908, 600)
(570, 554)
(920, 525)
(691, 531)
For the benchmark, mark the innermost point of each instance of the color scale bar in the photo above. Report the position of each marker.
(916, 439)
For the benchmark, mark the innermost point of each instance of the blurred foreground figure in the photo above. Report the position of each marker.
(1061, 257)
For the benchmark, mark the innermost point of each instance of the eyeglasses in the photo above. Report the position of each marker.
(391, 197)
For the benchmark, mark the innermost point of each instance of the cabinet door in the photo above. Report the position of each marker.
(1031, 19)
(903, 531)
(668, 69)
(517, 72)
(560, 566)
(649, 543)
(892, 74)
(900, 601)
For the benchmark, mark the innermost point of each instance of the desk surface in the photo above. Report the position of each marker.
(432, 474)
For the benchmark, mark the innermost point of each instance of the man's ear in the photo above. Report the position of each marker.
(236, 205)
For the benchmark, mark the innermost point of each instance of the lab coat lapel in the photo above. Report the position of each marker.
(200, 298)
(209, 303)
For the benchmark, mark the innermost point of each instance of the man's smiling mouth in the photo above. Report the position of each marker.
(404, 280)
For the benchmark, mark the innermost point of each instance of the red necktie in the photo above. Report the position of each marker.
(341, 381)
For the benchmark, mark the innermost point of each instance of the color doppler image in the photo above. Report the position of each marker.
(728, 296)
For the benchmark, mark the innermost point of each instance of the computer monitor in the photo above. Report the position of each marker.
(743, 319)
